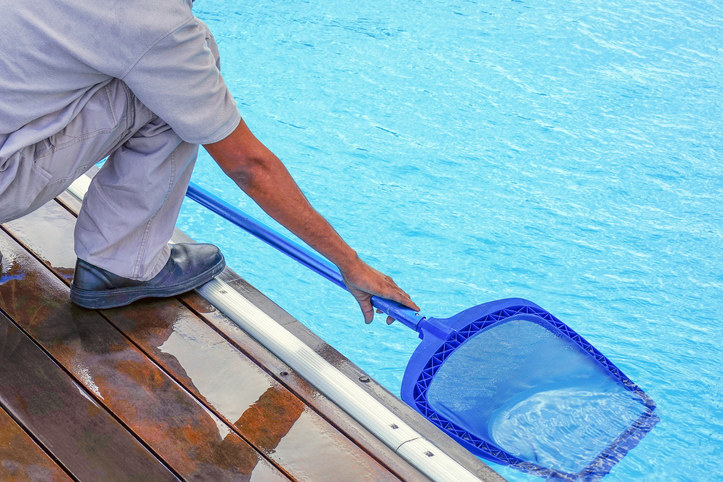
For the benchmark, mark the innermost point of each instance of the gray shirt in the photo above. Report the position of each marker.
(55, 54)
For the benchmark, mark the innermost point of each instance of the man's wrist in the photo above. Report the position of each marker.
(348, 262)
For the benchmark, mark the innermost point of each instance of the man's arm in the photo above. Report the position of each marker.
(261, 175)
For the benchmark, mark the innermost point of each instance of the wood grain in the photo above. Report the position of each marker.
(173, 423)
(78, 432)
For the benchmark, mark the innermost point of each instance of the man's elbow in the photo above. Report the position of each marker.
(246, 165)
(243, 158)
(250, 170)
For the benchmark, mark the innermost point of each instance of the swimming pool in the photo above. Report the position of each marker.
(565, 153)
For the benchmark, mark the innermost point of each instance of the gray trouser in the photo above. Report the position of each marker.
(132, 205)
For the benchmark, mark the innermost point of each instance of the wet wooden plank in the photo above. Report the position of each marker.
(268, 415)
(175, 425)
(21, 458)
(79, 433)
(257, 406)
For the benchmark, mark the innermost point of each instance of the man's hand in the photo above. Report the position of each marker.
(363, 281)
(261, 175)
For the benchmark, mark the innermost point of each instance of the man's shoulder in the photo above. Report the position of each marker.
(158, 15)
(99, 21)
(141, 21)
(74, 39)
(126, 30)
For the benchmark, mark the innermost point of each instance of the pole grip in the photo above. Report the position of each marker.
(401, 313)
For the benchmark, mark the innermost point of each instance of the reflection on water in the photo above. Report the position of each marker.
(564, 428)
(535, 395)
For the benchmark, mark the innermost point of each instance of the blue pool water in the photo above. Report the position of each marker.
(564, 152)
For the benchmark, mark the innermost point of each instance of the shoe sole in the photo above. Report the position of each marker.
(99, 300)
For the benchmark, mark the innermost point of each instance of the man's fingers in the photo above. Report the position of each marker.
(365, 282)
(403, 298)
(367, 310)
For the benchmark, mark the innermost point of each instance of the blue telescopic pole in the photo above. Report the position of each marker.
(295, 251)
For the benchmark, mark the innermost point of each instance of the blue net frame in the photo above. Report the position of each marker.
(600, 466)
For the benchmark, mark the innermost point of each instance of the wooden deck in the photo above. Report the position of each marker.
(162, 389)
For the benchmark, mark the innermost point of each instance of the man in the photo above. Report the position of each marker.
(137, 82)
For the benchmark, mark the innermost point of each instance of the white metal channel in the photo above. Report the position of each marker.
(367, 410)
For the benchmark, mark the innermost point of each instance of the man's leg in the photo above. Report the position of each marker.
(132, 205)
(129, 213)
(37, 173)
(127, 219)
(130, 210)
(33, 175)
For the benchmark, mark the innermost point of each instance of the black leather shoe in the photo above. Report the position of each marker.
(189, 266)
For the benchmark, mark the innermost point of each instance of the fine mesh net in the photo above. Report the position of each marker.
(533, 394)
